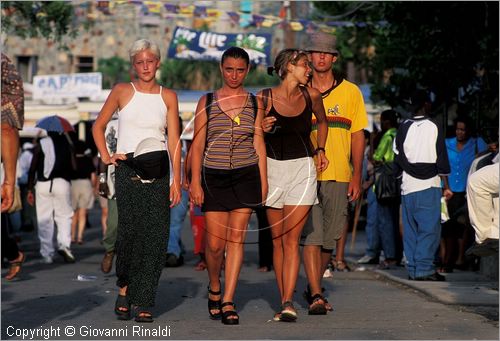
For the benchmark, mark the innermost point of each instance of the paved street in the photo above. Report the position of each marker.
(49, 302)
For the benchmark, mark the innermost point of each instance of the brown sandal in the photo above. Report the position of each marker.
(107, 262)
(15, 266)
(341, 266)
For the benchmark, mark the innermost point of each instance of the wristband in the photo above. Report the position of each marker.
(319, 149)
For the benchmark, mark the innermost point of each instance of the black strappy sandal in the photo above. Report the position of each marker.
(122, 307)
(228, 313)
(214, 304)
(316, 307)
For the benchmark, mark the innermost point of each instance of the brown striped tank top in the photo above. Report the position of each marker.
(229, 143)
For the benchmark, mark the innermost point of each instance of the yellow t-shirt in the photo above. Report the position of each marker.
(346, 114)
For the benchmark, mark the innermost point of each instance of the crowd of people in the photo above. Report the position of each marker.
(449, 234)
(295, 154)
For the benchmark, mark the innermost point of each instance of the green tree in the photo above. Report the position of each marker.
(52, 20)
(435, 45)
(204, 75)
(114, 70)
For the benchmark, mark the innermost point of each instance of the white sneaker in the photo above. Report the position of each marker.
(403, 260)
(328, 274)
(368, 260)
(46, 260)
(67, 255)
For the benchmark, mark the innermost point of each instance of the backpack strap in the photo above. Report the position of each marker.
(307, 97)
(208, 104)
(254, 104)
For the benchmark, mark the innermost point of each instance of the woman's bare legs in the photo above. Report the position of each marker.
(226, 231)
(74, 224)
(78, 224)
(236, 233)
(275, 219)
(104, 220)
(216, 223)
(286, 228)
(82, 221)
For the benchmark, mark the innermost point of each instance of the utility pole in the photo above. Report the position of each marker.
(291, 13)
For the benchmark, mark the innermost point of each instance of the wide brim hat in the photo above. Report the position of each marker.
(322, 42)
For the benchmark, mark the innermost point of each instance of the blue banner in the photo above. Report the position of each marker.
(200, 45)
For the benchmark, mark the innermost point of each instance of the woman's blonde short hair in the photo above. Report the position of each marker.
(143, 44)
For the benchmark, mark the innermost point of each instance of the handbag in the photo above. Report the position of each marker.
(387, 187)
(17, 205)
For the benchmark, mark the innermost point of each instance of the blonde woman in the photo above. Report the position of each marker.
(144, 195)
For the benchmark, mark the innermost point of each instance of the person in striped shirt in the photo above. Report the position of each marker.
(229, 178)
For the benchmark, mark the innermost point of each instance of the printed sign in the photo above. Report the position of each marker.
(200, 45)
(67, 85)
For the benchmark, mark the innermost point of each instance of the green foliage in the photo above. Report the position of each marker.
(114, 70)
(434, 45)
(188, 74)
(52, 20)
(204, 75)
(353, 42)
(259, 78)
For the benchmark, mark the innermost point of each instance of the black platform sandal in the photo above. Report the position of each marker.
(143, 315)
(122, 307)
(288, 312)
(229, 313)
(214, 304)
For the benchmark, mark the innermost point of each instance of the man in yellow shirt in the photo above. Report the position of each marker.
(340, 183)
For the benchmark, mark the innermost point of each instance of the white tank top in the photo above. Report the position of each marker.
(144, 116)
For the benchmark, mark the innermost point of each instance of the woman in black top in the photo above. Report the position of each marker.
(291, 168)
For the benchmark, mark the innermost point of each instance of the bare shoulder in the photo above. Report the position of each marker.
(122, 89)
(203, 99)
(169, 94)
(262, 92)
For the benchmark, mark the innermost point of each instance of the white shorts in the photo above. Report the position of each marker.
(291, 182)
(103, 202)
(82, 194)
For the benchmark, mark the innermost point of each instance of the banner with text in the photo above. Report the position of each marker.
(201, 45)
(67, 85)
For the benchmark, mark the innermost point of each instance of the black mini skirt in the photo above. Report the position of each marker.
(226, 190)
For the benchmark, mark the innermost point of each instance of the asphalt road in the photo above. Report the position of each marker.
(48, 302)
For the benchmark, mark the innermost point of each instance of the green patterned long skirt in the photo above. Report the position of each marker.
(143, 230)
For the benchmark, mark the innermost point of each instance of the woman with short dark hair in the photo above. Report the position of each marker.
(229, 178)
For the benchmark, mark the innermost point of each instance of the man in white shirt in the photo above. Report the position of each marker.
(422, 160)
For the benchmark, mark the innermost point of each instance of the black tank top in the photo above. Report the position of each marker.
(290, 137)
